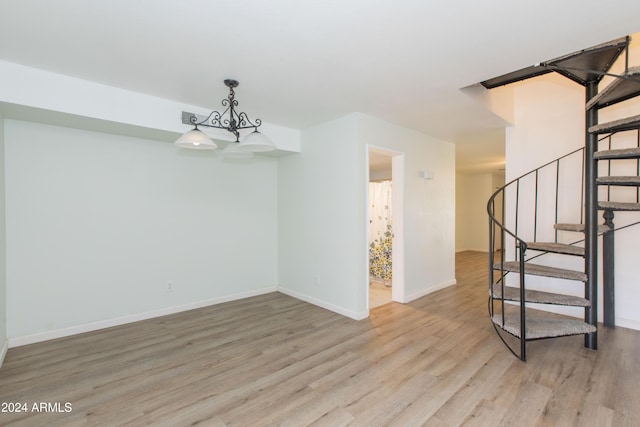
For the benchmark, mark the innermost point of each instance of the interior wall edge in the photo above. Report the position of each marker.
(326, 305)
(430, 290)
(3, 351)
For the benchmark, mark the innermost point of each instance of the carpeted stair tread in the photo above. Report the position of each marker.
(619, 206)
(539, 327)
(542, 270)
(579, 228)
(558, 248)
(626, 181)
(619, 153)
(628, 123)
(540, 297)
(620, 89)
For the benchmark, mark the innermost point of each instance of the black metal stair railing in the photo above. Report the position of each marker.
(609, 145)
(513, 224)
(608, 241)
(516, 224)
(506, 205)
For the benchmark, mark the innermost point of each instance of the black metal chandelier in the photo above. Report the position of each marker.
(231, 121)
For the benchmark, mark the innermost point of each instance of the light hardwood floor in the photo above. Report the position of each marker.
(274, 360)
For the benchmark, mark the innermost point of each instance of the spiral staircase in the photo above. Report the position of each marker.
(525, 245)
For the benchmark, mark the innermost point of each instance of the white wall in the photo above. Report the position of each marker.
(323, 213)
(99, 224)
(321, 232)
(499, 100)
(472, 223)
(429, 210)
(3, 266)
(549, 122)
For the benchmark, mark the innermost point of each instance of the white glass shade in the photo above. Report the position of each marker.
(256, 143)
(196, 140)
(232, 151)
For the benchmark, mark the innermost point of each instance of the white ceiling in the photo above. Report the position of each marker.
(301, 63)
(481, 152)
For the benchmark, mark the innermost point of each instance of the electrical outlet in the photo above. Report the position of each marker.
(317, 280)
(169, 287)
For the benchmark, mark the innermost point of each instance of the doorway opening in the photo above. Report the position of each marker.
(385, 201)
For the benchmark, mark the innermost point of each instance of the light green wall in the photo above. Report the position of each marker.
(323, 213)
(99, 224)
(320, 205)
(429, 204)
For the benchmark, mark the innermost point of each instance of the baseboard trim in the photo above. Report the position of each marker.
(94, 326)
(3, 351)
(324, 304)
(627, 323)
(430, 289)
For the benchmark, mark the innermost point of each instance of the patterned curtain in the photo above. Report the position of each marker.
(380, 230)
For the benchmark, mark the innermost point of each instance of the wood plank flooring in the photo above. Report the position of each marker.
(274, 360)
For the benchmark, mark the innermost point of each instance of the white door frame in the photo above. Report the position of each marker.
(398, 292)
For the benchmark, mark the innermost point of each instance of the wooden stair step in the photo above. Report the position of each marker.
(540, 297)
(542, 327)
(623, 181)
(542, 270)
(628, 123)
(620, 153)
(579, 228)
(558, 248)
(620, 89)
(619, 206)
